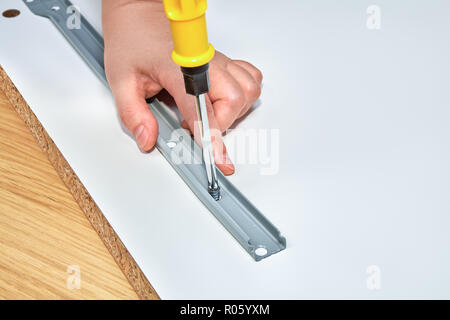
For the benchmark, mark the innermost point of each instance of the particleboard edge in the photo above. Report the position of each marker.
(112, 242)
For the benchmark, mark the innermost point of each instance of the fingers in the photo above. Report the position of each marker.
(186, 106)
(234, 89)
(220, 153)
(255, 72)
(135, 114)
(257, 76)
(221, 157)
(250, 87)
(227, 97)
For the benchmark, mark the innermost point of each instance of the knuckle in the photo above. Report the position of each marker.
(237, 99)
(252, 90)
(258, 76)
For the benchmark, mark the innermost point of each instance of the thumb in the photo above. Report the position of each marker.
(136, 115)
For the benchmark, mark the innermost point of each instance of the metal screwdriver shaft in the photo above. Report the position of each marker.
(208, 157)
(192, 52)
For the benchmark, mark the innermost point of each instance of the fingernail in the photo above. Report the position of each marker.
(141, 136)
(227, 160)
(228, 167)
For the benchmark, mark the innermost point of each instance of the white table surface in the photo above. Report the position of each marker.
(363, 180)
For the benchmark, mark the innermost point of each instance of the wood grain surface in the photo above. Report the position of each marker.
(50, 227)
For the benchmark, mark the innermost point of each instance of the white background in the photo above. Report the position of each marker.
(364, 157)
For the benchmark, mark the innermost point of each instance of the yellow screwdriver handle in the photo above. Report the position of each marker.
(189, 35)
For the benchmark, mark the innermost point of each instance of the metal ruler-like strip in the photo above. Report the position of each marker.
(257, 235)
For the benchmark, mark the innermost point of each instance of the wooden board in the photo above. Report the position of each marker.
(43, 232)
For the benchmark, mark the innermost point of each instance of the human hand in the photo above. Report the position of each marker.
(138, 65)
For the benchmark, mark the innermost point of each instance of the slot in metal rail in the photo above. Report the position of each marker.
(256, 234)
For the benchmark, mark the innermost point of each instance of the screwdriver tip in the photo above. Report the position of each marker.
(215, 193)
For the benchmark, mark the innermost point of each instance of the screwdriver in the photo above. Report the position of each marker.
(193, 52)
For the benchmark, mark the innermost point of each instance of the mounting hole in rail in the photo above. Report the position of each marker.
(261, 251)
(171, 144)
(11, 13)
